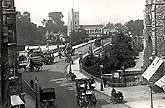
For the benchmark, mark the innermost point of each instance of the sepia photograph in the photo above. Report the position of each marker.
(82, 53)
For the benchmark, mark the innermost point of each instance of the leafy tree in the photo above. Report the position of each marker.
(55, 26)
(55, 23)
(120, 53)
(135, 27)
(121, 28)
(78, 36)
(27, 32)
(110, 26)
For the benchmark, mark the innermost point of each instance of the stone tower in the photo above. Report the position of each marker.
(154, 29)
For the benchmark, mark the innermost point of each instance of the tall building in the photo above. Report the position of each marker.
(8, 52)
(73, 21)
(154, 29)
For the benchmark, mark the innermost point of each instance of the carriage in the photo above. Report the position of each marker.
(36, 60)
(85, 92)
(47, 98)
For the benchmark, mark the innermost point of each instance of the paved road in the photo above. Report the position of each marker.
(54, 76)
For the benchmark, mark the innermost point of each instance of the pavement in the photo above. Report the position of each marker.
(29, 101)
(134, 97)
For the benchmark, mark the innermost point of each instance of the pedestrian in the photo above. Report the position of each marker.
(60, 55)
(113, 95)
(104, 82)
(113, 92)
(32, 83)
(36, 82)
(92, 79)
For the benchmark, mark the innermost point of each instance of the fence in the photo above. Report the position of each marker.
(129, 78)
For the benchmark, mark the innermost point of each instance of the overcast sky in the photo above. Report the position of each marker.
(91, 11)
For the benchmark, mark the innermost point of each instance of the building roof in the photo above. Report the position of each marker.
(92, 25)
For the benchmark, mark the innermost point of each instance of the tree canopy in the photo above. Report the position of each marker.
(120, 53)
(78, 36)
(54, 23)
(135, 27)
(27, 32)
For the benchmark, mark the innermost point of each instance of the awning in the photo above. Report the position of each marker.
(16, 100)
(157, 62)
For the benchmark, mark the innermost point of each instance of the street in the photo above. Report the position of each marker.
(82, 54)
(55, 76)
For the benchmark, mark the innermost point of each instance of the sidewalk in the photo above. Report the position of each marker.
(135, 96)
(29, 102)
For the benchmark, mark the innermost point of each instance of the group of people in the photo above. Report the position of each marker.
(33, 82)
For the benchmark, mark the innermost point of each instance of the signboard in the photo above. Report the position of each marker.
(116, 75)
(16, 100)
(160, 82)
(152, 68)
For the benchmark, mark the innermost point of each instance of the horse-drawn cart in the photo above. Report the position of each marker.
(36, 60)
(85, 92)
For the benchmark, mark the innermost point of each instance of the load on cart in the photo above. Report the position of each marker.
(48, 58)
(47, 98)
(36, 59)
(85, 92)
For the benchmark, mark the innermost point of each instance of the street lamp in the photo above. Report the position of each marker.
(90, 48)
(101, 71)
(36, 91)
(124, 76)
(70, 63)
(150, 83)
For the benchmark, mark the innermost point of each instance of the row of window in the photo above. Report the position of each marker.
(94, 31)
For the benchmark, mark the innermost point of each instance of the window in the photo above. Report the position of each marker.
(7, 3)
(90, 31)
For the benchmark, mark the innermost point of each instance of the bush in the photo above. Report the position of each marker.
(91, 65)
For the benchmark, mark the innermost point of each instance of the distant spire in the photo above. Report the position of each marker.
(73, 4)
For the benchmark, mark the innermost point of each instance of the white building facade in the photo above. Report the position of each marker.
(94, 30)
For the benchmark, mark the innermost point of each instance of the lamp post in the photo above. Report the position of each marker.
(123, 75)
(36, 90)
(90, 48)
(150, 83)
(151, 94)
(101, 72)
(70, 63)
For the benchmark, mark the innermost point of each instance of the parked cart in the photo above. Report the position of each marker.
(36, 60)
(47, 98)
